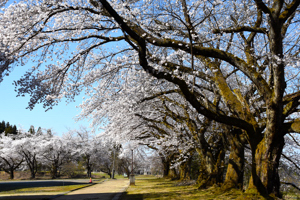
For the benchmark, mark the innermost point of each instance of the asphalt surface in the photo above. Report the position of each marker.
(108, 190)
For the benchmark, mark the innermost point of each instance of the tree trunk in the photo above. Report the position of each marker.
(166, 165)
(212, 168)
(54, 169)
(185, 171)
(266, 155)
(172, 174)
(212, 171)
(88, 167)
(206, 176)
(32, 176)
(11, 174)
(235, 169)
(265, 176)
(89, 171)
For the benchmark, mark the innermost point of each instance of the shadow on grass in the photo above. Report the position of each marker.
(8, 186)
(126, 196)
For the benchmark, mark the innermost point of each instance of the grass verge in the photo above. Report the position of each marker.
(152, 188)
(54, 189)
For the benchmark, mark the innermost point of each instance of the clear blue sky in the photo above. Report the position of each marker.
(13, 109)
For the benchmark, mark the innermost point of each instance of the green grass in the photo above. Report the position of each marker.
(54, 189)
(151, 188)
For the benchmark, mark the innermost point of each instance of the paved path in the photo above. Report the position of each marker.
(108, 190)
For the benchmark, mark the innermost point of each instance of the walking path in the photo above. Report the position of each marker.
(108, 190)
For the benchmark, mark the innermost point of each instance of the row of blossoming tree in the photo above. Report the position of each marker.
(29, 151)
(214, 66)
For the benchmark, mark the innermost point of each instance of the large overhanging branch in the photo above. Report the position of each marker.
(132, 32)
(141, 36)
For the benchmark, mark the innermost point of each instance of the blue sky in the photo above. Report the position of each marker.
(13, 109)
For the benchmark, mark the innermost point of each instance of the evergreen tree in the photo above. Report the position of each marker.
(15, 130)
(7, 128)
(2, 127)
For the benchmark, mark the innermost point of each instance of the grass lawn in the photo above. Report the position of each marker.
(54, 189)
(150, 188)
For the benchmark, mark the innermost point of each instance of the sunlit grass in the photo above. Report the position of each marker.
(158, 188)
(152, 188)
(54, 189)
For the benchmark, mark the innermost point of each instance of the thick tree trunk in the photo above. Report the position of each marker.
(166, 167)
(212, 170)
(212, 164)
(265, 177)
(185, 170)
(266, 154)
(235, 169)
(172, 174)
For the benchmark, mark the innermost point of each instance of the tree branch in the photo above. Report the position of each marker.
(241, 29)
(290, 9)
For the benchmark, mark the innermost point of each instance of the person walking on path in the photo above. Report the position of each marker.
(107, 190)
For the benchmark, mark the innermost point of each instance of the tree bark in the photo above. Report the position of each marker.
(166, 166)
(212, 170)
(89, 171)
(11, 174)
(235, 170)
(265, 176)
(185, 170)
(172, 174)
(54, 169)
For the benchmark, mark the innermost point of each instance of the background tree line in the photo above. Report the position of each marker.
(6, 128)
(70, 155)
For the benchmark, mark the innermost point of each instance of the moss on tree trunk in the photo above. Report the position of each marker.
(185, 170)
(265, 177)
(235, 168)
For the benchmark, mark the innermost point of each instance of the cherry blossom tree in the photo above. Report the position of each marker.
(56, 151)
(243, 54)
(4, 61)
(10, 159)
(28, 146)
(89, 148)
